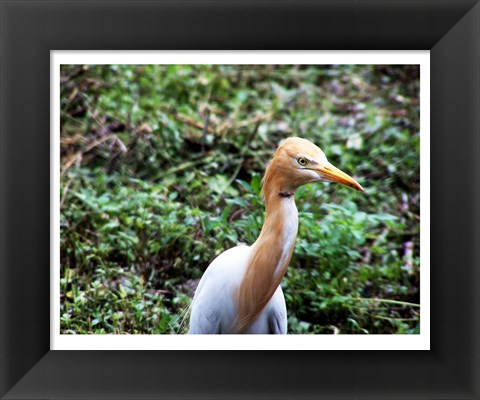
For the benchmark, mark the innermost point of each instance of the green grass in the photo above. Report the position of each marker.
(161, 171)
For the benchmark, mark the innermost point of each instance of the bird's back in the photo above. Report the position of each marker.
(214, 309)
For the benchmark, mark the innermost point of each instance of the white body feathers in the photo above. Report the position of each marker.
(214, 308)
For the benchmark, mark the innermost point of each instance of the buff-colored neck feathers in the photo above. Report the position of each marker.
(268, 262)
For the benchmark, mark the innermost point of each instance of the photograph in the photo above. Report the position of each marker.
(231, 199)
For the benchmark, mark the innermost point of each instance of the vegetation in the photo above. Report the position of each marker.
(161, 170)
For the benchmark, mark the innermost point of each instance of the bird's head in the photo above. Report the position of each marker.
(297, 162)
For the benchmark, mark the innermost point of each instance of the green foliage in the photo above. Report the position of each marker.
(161, 171)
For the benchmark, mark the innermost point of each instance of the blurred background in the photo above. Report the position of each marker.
(161, 169)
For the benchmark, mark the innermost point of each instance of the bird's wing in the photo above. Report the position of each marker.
(206, 322)
(277, 314)
(204, 318)
(277, 325)
(213, 306)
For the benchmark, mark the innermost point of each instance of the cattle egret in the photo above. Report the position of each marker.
(240, 290)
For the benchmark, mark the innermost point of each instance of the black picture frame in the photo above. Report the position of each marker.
(31, 29)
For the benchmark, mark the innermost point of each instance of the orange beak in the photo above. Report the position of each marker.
(331, 173)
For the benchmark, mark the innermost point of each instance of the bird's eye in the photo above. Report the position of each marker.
(302, 161)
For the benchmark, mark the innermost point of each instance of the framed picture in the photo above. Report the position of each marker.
(156, 151)
(33, 365)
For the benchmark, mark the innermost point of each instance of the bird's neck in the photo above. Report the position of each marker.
(270, 257)
(278, 234)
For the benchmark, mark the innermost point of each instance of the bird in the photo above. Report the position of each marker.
(240, 292)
